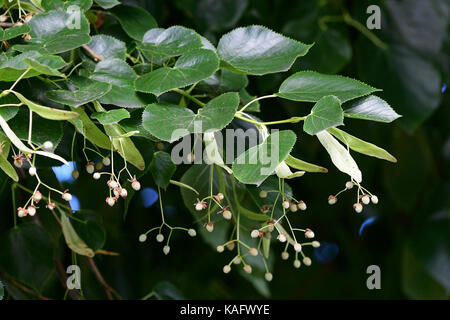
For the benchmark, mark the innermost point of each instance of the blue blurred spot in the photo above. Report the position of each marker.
(444, 87)
(366, 223)
(149, 197)
(75, 203)
(326, 252)
(170, 211)
(64, 173)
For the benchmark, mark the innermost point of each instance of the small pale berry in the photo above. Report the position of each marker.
(96, 176)
(293, 207)
(106, 161)
(32, 171)
(75, 174)
(307, 261)
(226, 269)
(111, 201)
(365, 199)
(285, 255)
(210, 226)
(301, 205)
(254, 234)
(297, 247)
(316, 244)
(90, 167)
(332, 200)
(263, 194)
(37, 196)
(253, 252)
(160, 237)
(248, 268)
(66, 196)
(286, 204)
(220, 249)
(142, 238)
(358, 207)
(166, 250)
(309, 234)
(227, 214)
(268, 276)
(282, 237)
(374, 199)
(192, 232)
(297, 263)
(349, 185)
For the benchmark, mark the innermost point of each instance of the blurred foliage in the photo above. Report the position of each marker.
(409, 233)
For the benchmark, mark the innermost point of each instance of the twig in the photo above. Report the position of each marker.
(22, 287)
(98, 275)
(92, 53)
(6, 24)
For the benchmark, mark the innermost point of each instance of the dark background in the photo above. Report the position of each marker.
(407, 234)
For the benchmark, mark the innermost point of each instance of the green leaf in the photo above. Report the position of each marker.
(87, 128)
(91, 231)
(326, 113)
(371, 108)
(123, 145)
(46, 112)
(108, 47)
(4, 163)
(48, 65)
(134, 21)
(55, 32)
(83, 95)
(164, 290)
(11, 68)
(258, 50)
(162, 168)
(10, 33)
(259, 162)
(303, 165)
(73, 240)
(121, 77)
(361, 146)
(311, 86)
(170, 42)
(111, 116)
(134, 123)
(191, 67)
(170, 122)
(107, 4)
(26, 254)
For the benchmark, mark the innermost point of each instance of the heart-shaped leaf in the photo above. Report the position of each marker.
(259, 162)
(121, 77)
(95, 90)
(258, 50)
(162, 168)
(57, 31)
(326, 113)
(371, 108)
(170, 42)
(134, 21)
(361, 146)
(171, 122)
(312, 86)
(18, 258)
(111, 116)
(191, 67)
(108, 47)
